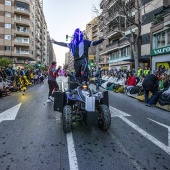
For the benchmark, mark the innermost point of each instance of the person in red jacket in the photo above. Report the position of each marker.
(130, 83)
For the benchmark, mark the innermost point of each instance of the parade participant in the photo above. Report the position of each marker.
(53, 86)
(79, 48)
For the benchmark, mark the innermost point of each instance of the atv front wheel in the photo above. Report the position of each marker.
(67, 110)
(104, 118)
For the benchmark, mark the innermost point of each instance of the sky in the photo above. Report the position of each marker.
(63, 17)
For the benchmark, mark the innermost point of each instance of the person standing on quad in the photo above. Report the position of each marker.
(52, 83)
(79, 48)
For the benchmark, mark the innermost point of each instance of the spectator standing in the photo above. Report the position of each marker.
(151, 84)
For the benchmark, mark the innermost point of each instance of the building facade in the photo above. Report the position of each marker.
(40, 34)
(23, 31)
(160, 39)
(50, 57)
(118, 49)
(69, 61)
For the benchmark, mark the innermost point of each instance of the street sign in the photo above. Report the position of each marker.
(91, 57)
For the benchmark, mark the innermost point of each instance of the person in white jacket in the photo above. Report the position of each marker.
(121, 81)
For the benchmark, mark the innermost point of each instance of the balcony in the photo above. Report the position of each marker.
(22, 52)
(114, 16)
(113, 32)
(21, 10)
(22, 41)
(113, 45)
(27, 1)
(38, 53)
(161, 16)
(111, 3)
(22, 20)
(38, 46)
(22, 31)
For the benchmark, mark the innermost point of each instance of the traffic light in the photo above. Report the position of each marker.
(91, 63)
(66, 37)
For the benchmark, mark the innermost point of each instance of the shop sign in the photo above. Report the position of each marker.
(159, 51)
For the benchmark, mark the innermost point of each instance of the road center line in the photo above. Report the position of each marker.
(71, 152)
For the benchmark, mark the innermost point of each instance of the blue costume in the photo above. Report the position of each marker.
(79, 48)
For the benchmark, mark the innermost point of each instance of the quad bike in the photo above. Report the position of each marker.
(81, 103)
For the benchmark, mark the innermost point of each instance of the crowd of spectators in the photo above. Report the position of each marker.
(130, 83)
(16, 80)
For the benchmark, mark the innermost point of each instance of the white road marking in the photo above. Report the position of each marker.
(10, 114)
(119, 113)
(168, 127)
(71, 152)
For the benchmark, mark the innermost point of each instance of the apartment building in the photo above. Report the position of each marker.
(50, 51)
(92, 33)
(69, 60)
(160, 39)
(117, 48)
(40, 34)
(20, 22)
(16, 30)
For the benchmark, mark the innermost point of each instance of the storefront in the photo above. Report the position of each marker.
(160, 57)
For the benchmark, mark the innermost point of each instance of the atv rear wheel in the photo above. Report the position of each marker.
(67, 119)
(104, 118)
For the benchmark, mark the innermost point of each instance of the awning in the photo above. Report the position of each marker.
(144, 58)
(130, 59)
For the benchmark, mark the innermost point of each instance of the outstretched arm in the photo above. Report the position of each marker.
(93, 43)
(59, 43)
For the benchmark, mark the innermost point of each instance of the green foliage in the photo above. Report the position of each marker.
(5, 62)
(29, 66)
(44, 68)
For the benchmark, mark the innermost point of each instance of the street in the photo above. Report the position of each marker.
(32, 138)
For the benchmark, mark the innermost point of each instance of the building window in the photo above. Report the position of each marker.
(123, 52)
(7, 14)
(7, 25)
(161, 40)
(7, 3)
(7, 48)
(7, 37)
(168, 37)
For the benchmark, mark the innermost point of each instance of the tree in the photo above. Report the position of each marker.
(126, 8)
(29, 66)
(5, 62)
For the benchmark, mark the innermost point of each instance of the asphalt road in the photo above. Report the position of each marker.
(139, 136)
